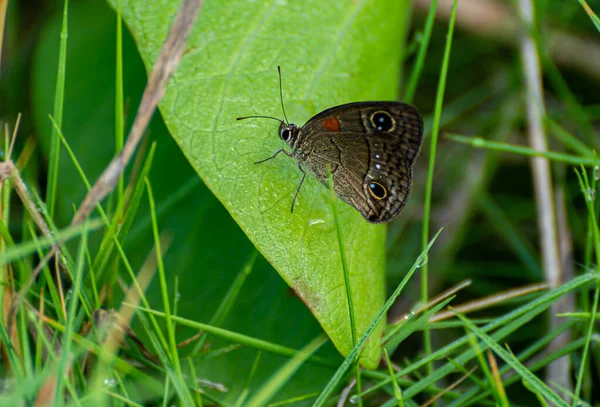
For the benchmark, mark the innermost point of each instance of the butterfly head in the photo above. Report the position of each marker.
(288, 133)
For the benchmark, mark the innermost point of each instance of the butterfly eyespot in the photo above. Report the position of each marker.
(382, 121)
(377, 190)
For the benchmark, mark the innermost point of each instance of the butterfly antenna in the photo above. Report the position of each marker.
(261, 117)
(281, 96)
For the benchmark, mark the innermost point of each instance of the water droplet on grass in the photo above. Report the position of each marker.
(110, 381)
(591, 195)
(478, 142)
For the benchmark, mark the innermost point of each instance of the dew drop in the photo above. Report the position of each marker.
(478, 142)
(110, 381)
(409, 315)
(354, 399)
(422, 262)
(591, 195)
(596, 172)
(177, 297)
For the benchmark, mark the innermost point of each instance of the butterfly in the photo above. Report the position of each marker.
(369, 148)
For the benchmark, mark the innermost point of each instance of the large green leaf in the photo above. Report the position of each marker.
(330, 52)
(208, 249)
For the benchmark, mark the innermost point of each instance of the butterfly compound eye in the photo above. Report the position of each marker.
(382, 121)
(286, 134)
(377, 190)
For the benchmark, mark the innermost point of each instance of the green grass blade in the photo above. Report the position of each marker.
(119, 111)
(120, 226)
(67, 343)
(174, 354)
(397, 391)
(395, 337)
(591, 14)
(235, 337)
(523, 249)
(522, 150)
(225, 306)
(506, 324)
(439, 101)
(270, 388)
(586, 190)
(58, 111)
(24, 249)
(416, 72)
(335, 379)
(345, 270)
(513, 362)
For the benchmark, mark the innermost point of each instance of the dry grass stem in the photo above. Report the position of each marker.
(494, 20)
(542, 176)
(486, 302)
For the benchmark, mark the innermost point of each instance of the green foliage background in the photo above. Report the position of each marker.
(224, 214)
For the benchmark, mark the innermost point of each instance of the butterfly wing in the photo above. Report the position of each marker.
(370, 149)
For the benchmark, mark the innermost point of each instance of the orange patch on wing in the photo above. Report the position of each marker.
(331, 124)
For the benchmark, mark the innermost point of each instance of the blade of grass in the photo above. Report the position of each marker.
(24, 249)
(227, 301)
(566, 138)
(508, 323)
(475, 396)
(111, 227)
(174, 354)
(8, 243)
(397, 391)
(337, 377)
(121, 226)
(489, 380)
(345, 272)
(195, 380)
(119, 122)
(591, 14)
(244, 394)
(48, 281)
(522, 150)
(520, 245)
(67, 343)
(270, 388)
(238, 338)
(58, 111)
(587, 189)
(430, 171)
(513, 362)
(416, 72)
(395, 337)
(190, 185)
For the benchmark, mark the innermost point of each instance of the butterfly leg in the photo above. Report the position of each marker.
(299, 186)
(274, 155)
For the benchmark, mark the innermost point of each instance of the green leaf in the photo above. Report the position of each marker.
(208, 249)
(330, 53)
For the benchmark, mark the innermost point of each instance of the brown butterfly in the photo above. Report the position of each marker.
(369, 148)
